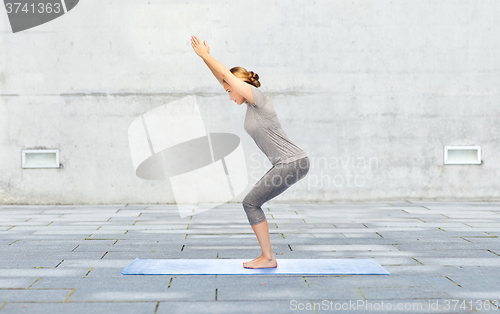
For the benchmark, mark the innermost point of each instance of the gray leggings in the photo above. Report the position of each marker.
(279, 178)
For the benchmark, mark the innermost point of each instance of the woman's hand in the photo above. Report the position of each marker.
(198, 47)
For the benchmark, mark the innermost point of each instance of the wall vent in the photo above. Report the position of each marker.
(462, 155)
(40, 158)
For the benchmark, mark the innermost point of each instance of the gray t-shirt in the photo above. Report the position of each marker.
(262, 124)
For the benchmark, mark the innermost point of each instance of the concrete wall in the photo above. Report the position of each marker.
(372, 90)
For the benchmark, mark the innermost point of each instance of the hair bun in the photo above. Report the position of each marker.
(255, 78)
(249, 77)
(254, 75)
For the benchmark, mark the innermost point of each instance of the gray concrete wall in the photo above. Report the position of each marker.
(372, 90)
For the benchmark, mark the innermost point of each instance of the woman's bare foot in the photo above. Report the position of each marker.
(253, 259)
(261, 262)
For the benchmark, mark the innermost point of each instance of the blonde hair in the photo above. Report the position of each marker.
(249, 77)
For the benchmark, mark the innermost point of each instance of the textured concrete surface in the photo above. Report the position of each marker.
(372, 90)
(443, 258)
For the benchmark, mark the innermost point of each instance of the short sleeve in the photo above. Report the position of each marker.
(259, 98)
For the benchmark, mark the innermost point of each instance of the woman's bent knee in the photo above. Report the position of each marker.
(248, 203)
(255, 214)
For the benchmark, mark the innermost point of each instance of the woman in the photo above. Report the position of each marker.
(290, 163)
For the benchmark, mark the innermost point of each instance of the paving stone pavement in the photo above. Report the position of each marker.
(444, 257)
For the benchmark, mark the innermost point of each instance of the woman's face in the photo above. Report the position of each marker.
(233, 94)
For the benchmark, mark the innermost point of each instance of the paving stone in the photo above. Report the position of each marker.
(138, 235)
(18, 231)
(241, 236)
(81, 308)
(30, 223)
(230, 240)
(325, 235)
(217, 307)
(20, 282)
(490, 242)
(348, 247)
(341, 240)
(438, 270)
(425, 239)
(29, 263)
(366, 235)
(405, 292)
(436, 233)
(384, 261)
(103, 283)
(494, 261)
(69, 232)
(453, 253)
(40, 217)
(51, 255)
(101, 246)
(29, 244)
(382, 281)
(439, 246)
(133, 289)
(277, 307)
(33, 295)
(33, 237)
(100, 263)
(15, 216)
(486, 282)
(273, 288)
(39, 272)
(122, 255)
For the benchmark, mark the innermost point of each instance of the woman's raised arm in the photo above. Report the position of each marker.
(221, 70)
(207, 49)
(215, 74)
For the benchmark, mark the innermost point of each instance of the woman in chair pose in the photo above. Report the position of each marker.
(290, 162)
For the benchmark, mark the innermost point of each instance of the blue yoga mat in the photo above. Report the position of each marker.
(235, 267)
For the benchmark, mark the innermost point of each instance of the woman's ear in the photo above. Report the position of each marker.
(240, 87)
